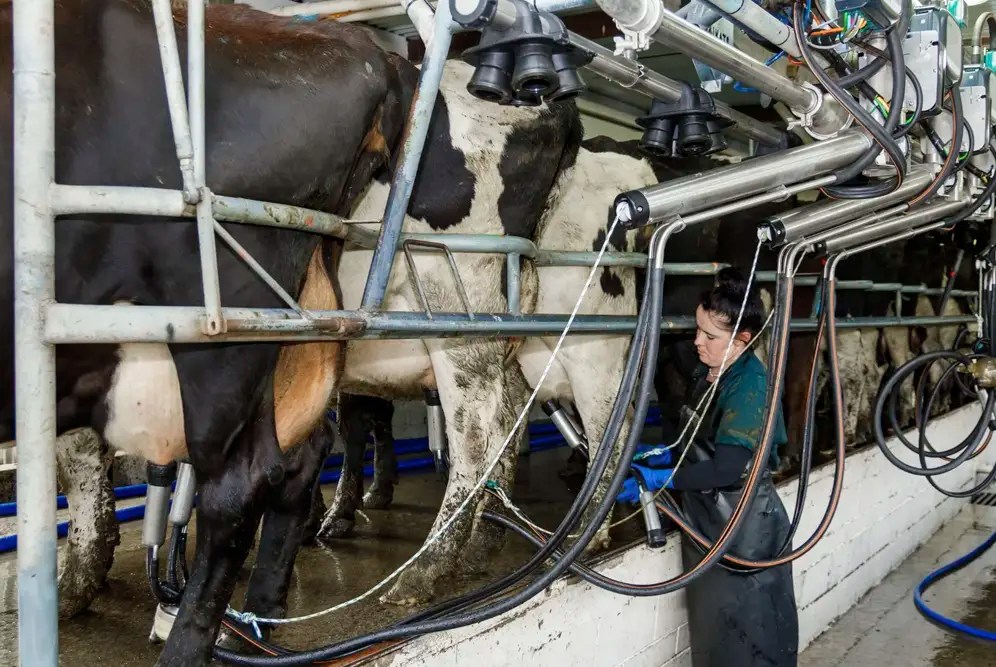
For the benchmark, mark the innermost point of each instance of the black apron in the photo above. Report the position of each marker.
(734, 619)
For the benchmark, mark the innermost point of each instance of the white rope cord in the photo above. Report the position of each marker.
(249, 617)
(722, 367)
(699, 414)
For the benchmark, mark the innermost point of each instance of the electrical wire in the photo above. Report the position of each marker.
(881, 135)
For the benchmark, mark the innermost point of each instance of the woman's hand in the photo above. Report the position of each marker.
(653, 479)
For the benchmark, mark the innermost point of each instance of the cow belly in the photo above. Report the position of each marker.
(144, 410)
(390, 369)
(306, 373)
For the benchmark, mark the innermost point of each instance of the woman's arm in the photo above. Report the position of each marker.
(724, 469)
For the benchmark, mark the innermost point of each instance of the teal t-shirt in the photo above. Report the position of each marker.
(741, 407)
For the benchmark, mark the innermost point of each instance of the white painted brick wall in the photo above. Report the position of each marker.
(883, 516)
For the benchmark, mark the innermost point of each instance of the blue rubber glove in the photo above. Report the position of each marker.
(654, 478)
(654, 460)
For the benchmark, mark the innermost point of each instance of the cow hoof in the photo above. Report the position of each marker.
(411, 589)
(375, 499)
(231, 641)
(72, 603)
(599, 543)
(402, 602)
(336, 527)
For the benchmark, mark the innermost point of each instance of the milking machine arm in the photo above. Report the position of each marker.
(893, 175)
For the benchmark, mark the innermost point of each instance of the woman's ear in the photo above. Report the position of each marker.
(744, 337)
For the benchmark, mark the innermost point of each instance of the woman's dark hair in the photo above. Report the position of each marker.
(726, 297)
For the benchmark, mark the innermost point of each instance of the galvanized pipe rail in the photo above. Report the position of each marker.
(40, 322)
(76, 324)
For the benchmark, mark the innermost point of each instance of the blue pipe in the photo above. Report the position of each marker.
(542, 437)
(946, 623)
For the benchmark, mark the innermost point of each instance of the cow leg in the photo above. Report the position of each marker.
(317, 512)
(381, 491)
(797, 368)
(284, 526)
(83, 460)
(595, 368)
(470, 375)
(852, 382)
(872, 373)
(487, 538)
(231, 500)
(897, 343)
(340, 520)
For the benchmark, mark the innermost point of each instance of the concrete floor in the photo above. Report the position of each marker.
(115, 630)
(885, 629)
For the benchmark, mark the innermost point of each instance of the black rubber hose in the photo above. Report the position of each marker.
(908, 369)
(882, 135)
(905, 128)
(921, 453)
(808, 432)
(161, 591)
(949, 164)
(987, 192)
(949, 283)
(175, 561)
(515, 577)
(974, 438)
(650, 321)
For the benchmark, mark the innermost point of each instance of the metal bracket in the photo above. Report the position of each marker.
(214, 322)
(630, 43)
(258, 269)
(454, 271)
(641, 73)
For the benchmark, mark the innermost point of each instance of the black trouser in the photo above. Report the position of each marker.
(741, 620)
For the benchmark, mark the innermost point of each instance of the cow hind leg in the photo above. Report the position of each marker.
(340, 520)
(381, 492)
(487, 538)
(284, 526)
(595, 369)
(471, 379)
(326, 437)
(230, 504)
(83, 461)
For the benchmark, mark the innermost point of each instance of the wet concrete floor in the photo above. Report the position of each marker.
(882, 630)
(115, 630)
(885, 629)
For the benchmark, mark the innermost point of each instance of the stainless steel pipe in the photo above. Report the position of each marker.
(650, 17)
(696, 192)
(799, 223)
(630, 74)
(903, 223)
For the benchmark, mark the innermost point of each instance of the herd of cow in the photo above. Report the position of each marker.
(311, 114)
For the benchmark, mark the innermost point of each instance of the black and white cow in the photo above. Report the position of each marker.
(494, 170)
(297, 113)
(587, 371)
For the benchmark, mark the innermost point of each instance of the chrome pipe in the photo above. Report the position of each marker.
(814, 218)
(690, 194)
(904, 223)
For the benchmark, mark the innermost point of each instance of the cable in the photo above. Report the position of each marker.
(882, 135)
(643, 349)
(946, 623)
(949, 162)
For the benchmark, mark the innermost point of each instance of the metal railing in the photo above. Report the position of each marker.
(41, 323)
